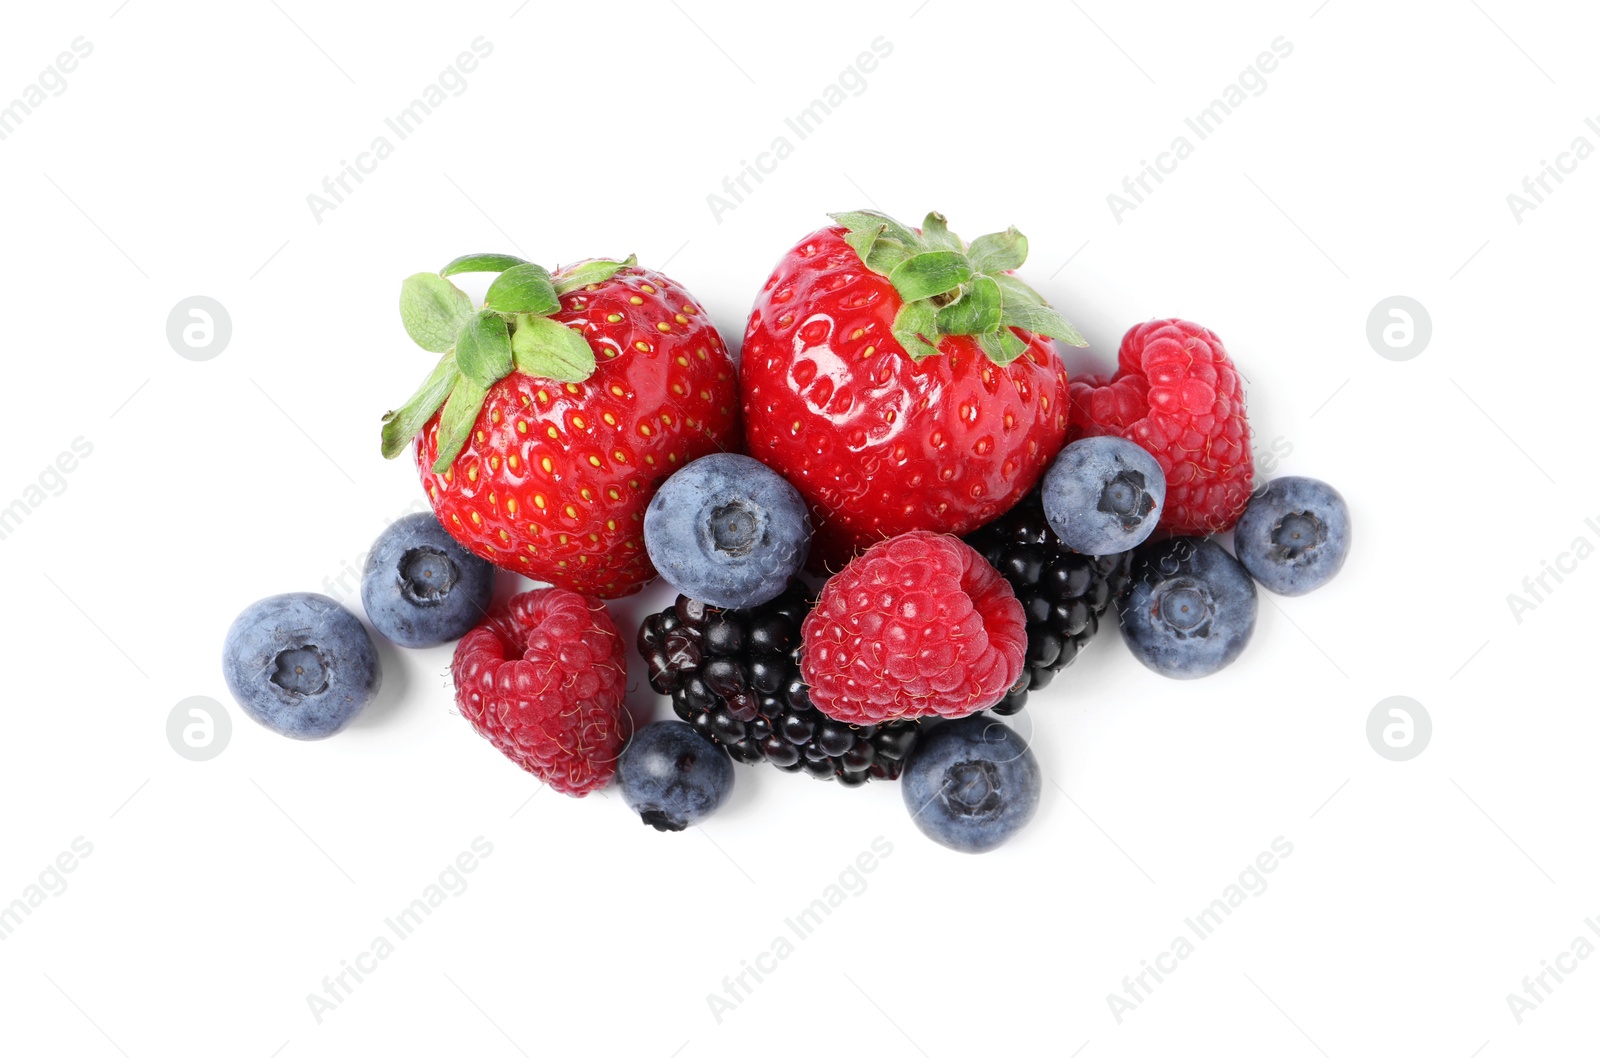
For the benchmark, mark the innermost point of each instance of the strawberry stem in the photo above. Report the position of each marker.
(513, 331)
(947, 286)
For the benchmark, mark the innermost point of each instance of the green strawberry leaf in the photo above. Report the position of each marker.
(999, 252)
(886, 256)
(858, 219)
(929, 274)
(523, 288)
(936, 236)
(1014, 291)
(862, 241)
(913, 324)
(433, 309)
(1041, 319)
(455, 423)
(481, 262)
(1002, 346)
(976, 312)
(405, 422)
(596, 271)
(544, 348)
(483, 349)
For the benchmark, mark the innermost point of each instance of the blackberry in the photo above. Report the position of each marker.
(735, 676)
(1064, 594)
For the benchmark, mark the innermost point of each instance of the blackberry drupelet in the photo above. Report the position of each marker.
(735, 676)
(1064, 594)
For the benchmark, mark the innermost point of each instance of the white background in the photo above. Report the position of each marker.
(1377, 161)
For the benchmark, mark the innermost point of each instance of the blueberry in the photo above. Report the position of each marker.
(1294, 535)
(420, 587)
(1189, 608)
(672, 775)
(971, 783)
(1103, 495)
(727, 530)
(300, 664)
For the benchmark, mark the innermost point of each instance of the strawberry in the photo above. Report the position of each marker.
(903, 379)
(557, 409)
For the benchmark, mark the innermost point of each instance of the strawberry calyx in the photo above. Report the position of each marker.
(949, 286)
(512, 331)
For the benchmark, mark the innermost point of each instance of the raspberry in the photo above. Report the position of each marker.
(543, 678)
(1177, 394)
(918, 625)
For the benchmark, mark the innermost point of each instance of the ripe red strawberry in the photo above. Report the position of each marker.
(902, 380)
(543, 678)
(557, 409)
(1177, 394)
(917, 626)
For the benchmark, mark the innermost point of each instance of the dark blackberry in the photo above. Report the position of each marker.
(1064, 594)
(735, 675)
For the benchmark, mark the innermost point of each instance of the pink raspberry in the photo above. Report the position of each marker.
(543, 678)
(1176, 394)
(919, 625)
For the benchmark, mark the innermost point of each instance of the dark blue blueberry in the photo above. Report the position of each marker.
(1103, 495)
(1294, 535)
(672, 775)
(727, 530)
(971, 783)
(421, 588)
(300, 664)
(1189, 609)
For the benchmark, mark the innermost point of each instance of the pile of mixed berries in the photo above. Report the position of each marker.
(896, 518)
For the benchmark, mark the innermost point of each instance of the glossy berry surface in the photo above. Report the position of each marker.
(1177, 394)
(421, 588)
(1294, 535)
(726, 529)
(554, 477)
(1064, 594)
(1103, 495)
(972, 784)
(300, 664)
(735, 676)
(672, 776)
(877, 442)
(916, 626)
(1189, 609)
(543, 679)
